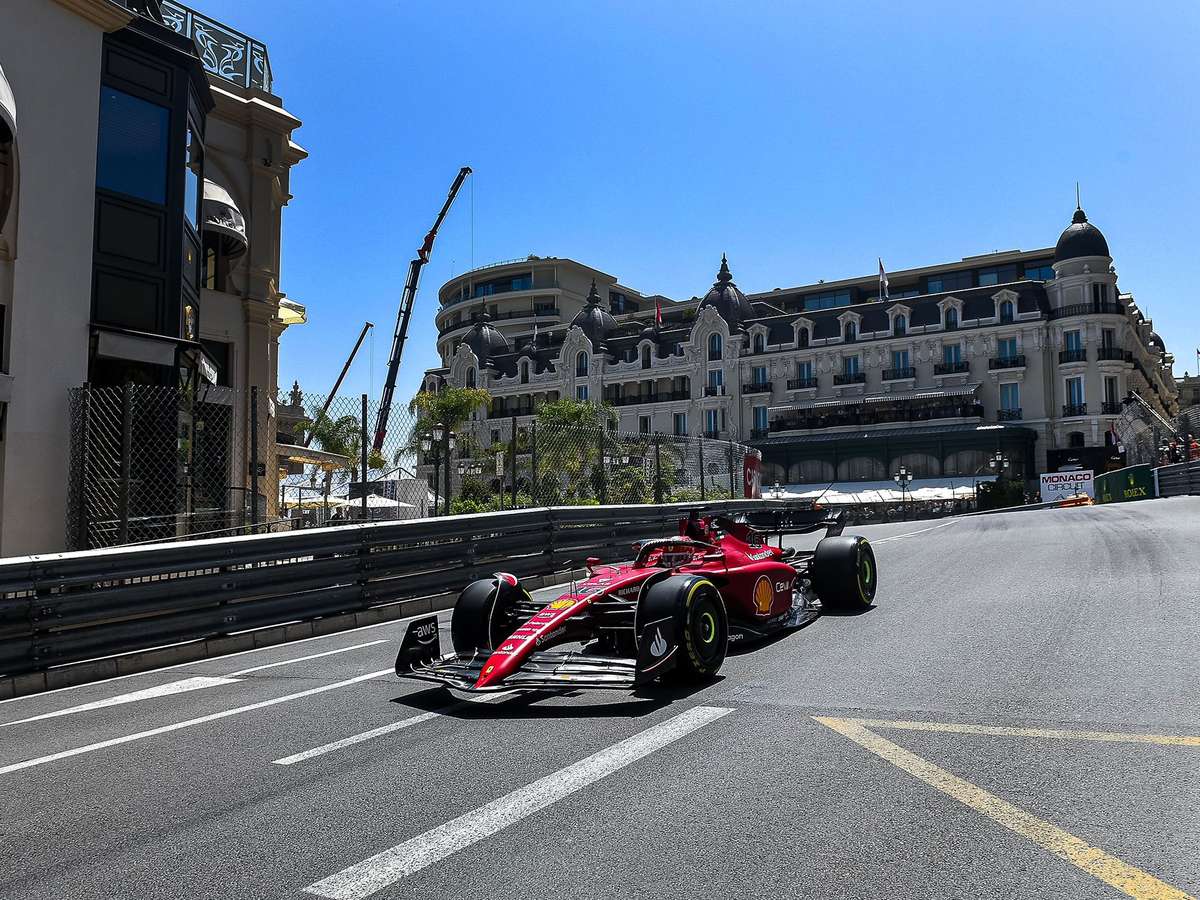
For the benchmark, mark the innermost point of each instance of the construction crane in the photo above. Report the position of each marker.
(337, 384)
(405, 311)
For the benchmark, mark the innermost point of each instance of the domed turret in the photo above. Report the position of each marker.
(1157, 342)
(731, 304)
(596, 321)
(1081, 238)
(485, 341)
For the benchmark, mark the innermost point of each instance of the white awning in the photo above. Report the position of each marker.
(135, 347)
(8, 105)
(222, 216)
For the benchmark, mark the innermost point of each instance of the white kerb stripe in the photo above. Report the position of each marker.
(288, 662)
(374, 874)
(354, 739)
(153, 732)
(161, 690)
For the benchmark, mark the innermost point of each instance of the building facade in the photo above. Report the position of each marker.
(141, 190)
(1023, 353)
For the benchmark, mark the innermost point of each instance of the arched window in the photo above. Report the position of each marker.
(7, 168)
(899, 326)
(471, 377)
(850, 333)
(760, 345)
(581, 365)
(1006, 311)
(802, 337)
(951, 319)
(714, 346)
(645, 357)
(525, 372)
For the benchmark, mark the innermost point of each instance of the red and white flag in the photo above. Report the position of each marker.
(657, 313)
(883, 282)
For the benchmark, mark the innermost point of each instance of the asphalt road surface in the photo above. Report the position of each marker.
(1018, 716)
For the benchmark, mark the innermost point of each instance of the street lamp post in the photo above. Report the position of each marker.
(428, 444)
(998, 463)
(903, 479)
(443, 437)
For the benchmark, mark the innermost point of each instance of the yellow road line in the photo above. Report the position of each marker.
(1112, 871)
(1173, 740)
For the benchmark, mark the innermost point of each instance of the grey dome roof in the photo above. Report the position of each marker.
(485, 341)
(1155, 341)
(1081, 238)
(596, 321)
(731, 303)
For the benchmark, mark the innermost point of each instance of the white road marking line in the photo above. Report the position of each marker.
(896, 537)
(1114, 872)
(288, 662)
(354, 739)
(161, 690)
(153, 732)
(383, 869)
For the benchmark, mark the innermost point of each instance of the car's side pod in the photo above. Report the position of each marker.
(421, 645)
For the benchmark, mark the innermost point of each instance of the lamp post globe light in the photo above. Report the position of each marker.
(431, 443)
(903, 479)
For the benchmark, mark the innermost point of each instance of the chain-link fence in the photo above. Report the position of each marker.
(1148, 438)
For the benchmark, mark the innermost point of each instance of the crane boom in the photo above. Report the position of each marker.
(407, 299)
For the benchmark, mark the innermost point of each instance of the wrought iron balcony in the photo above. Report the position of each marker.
(850, 378)
(1007, 362)
(224, 51)
(800, 384)
(508, 413)
(714, 390)
(897, 374)
(756, 433)
(951, 368)
(1118, 353)
(654, 397)
(713, 435)
(1111, 407)
(1086, 309)
(881, 413)
(757, 387)
(1072, 356)
(1008, 415)
(1074, 409)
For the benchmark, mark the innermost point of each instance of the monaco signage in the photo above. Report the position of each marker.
(1063, 485)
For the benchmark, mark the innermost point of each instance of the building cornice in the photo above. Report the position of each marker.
(104, 13)
(249, 108)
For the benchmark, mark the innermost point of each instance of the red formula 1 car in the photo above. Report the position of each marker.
(671, 612)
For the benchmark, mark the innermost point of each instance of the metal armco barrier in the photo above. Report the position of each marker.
(1178, 480)
(68, 607)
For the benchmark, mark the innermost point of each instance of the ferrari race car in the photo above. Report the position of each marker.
(669, 613)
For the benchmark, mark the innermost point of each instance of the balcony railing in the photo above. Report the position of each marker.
(850, 378)
(1111, 407)
(1008, 415)
(712, 435)
(1073, 356)
(1007, 362)
(1118, 353)
(655, 397)
(508, 413)
(757, 387)
(897, 411)
(1086, 309)
(714, 390)
(951, 368)
(756, 433)
(801, 384)
(1074, 409)
(223, 51)
(897, 374)
(499, 317)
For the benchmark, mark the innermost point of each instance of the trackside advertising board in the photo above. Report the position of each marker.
(1062, 485)
(1123, 485)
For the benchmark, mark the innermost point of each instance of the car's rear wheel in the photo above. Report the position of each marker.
(701, 624)
(843, 573)
(483, 614)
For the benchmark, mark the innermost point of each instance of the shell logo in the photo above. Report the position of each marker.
(763, 595)
(562, 604)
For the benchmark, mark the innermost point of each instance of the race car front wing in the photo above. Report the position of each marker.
(420, 658)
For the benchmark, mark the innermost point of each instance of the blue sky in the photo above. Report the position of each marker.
(645, 139)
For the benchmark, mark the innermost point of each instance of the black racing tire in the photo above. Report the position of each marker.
(483, 615)
(701, 624)
(844, 574)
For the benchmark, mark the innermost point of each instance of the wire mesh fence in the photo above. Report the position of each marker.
(152, 463)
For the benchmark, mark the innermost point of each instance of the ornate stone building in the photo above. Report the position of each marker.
(1025, 353)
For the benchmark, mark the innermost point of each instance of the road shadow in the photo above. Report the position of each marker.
(589, 704)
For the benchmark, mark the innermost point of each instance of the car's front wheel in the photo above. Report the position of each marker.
(701, 625)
